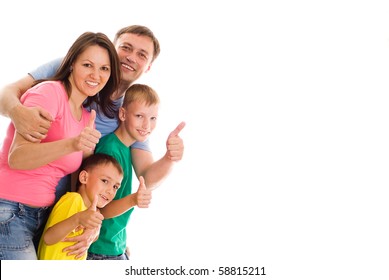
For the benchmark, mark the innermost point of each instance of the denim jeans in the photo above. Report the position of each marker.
(62, 187)
(21, 227)
(92, 256)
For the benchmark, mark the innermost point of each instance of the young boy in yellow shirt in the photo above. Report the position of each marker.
(99, 179)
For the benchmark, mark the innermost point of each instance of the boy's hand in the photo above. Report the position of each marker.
(143, 195)
(91, 218)
(174, 144)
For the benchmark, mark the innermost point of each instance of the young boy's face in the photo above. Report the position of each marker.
(103, 181)
(139, 119)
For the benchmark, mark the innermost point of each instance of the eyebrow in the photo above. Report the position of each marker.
(128, 44)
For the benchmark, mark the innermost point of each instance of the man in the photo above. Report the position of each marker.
(137, 48)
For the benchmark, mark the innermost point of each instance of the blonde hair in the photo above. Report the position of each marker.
(141, 93)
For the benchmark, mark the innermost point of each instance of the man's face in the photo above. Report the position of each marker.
(135, 54)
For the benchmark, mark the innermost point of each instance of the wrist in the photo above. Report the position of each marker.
(14, 110)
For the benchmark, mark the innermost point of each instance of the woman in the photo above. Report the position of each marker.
(29, 172)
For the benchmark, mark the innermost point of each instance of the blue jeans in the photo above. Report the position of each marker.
(95, 257)
(62, 187)
(21, 227)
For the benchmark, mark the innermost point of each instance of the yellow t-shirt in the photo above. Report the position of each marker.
(68, 205)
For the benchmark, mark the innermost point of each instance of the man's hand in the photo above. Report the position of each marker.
(174, 144)
(31, 122)
(143, 195)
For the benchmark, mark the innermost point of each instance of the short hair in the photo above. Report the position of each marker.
(141, 31)
(141, 93)
(98, 159)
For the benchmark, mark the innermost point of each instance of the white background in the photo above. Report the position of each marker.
(286, 144)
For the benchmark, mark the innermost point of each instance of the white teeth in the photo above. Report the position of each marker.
(128, 67)
(143, 133)
(92, 83)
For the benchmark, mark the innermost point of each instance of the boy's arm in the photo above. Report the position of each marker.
(155, 172)
(89, 218)
(117, 207)
(59, 231)
(32, 123)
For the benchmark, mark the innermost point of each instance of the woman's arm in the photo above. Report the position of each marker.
(26, 155)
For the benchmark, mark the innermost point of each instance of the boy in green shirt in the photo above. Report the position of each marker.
(137, 119)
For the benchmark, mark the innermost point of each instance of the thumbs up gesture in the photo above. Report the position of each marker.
(89, 136)
(91, 218)
(143, 195)
(174, 144)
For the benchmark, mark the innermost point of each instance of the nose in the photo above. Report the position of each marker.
(146, 124)
(110, 191)
(95, 73)
(131, 58)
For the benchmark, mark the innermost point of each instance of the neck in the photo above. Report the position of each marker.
(82, 192)
(123, 86)
(123, 136)
(76, 106)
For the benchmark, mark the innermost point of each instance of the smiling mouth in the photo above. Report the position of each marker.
(127, 67)
(143, 133)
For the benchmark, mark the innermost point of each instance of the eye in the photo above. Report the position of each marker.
(116, 187)
(143, 56)
(105, 68)
(105, 181)
(139, 116)
(88, 65)
(125, 48)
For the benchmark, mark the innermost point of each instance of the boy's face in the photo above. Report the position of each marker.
(135, 54)
(139, 120)
(103, 181)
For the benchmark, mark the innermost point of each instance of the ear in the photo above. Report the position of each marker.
(122, 114)
(83, 176)
(148, 68)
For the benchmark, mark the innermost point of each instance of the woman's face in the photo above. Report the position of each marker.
(91, 71)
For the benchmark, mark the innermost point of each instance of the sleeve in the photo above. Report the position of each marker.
(67, 206)
(46, 70)
(142, 145)
(46, 95)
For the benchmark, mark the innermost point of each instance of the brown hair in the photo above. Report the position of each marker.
(99, 159)
(141, 31)
(103, 98)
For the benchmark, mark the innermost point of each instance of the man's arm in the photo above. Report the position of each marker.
(31, 123)
(155, 172)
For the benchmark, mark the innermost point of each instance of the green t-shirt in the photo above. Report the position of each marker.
(113, 235)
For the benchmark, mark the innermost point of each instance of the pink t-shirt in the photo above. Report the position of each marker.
(37, 186)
